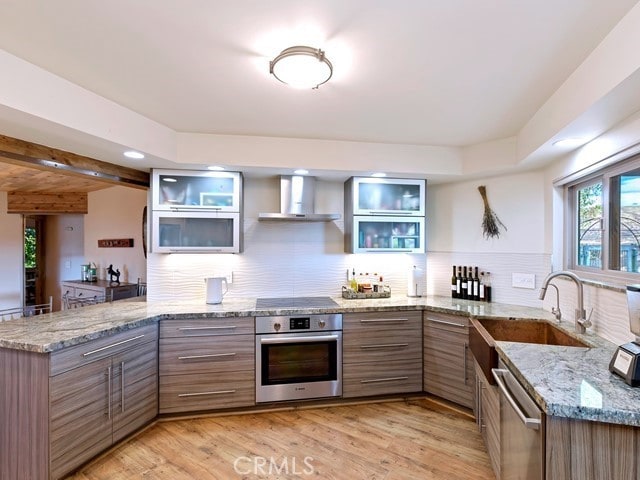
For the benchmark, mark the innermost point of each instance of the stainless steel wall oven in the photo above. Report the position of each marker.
(298, 357)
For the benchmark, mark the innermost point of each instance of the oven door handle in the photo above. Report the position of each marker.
(290, 339)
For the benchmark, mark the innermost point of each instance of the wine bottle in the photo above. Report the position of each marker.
(487, 286)
(476, 284)
(454, 284)
(481, 289)
(464, 283)
(459, 283)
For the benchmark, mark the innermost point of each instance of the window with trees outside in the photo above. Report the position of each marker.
(605, 220)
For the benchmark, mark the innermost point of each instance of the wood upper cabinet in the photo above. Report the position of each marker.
(100, 392)
(382, 353)
(207, 364)
(448, 365)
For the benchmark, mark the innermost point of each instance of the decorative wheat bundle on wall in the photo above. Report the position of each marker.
(490, 222)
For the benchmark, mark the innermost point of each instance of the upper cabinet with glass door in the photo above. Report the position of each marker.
(386, 196)
(175, 190)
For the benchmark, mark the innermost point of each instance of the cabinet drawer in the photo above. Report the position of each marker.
(380, 379)
(408, 322)
(78, 355)
(206, 327)
(381, 346)
(209, 391)
(206, 354)
(455, 323)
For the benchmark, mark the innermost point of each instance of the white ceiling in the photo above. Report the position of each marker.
(422, 72)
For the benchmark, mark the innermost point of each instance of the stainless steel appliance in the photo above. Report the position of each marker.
(626, 360)
(298, 357)
(521, 430)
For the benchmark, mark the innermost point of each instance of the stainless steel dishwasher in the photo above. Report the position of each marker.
(521, 430)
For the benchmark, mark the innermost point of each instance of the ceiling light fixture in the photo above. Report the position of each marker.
(301, 67)
(378, 175)
(133, 154)
(215, 168)
(301, 171)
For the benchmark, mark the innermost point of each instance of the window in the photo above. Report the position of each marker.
(605, 220)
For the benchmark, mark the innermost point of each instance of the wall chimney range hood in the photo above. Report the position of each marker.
(297, 202)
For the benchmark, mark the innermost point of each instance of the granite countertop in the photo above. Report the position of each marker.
(569, 382)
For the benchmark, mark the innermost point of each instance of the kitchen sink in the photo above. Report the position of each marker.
(483, 333)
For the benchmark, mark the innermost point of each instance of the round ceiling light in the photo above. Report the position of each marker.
(301, 67)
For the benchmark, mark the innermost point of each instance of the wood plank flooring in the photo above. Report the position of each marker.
(399, 440)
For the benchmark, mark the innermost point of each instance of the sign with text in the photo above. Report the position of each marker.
(115, 243)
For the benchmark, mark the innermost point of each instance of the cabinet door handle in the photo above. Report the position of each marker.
(529, 422)
(198, 394)
(385, 345)
(384, 320)
(213, 327)
(122, 387)
(111, 346)
(211, 355)
(109, 393)
(453, 324)
(388, 379)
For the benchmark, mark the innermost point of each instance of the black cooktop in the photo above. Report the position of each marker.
(296, 302)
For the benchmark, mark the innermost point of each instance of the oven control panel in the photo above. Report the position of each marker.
(299, 323)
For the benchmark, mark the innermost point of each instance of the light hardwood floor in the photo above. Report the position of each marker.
(416, 439)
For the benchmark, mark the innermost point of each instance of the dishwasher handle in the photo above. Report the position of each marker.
(529, 422)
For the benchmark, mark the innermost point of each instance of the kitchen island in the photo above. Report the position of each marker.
(568, 383)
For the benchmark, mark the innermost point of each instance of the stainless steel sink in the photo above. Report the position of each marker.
(483, 333)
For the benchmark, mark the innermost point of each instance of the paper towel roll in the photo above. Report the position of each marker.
(413, 282)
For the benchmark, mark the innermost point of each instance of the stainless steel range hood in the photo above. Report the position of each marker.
(297, 202)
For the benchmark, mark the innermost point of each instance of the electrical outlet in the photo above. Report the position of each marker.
(523, 280)
(228, 274)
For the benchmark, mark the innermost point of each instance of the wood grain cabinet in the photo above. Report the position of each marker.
(206, 364)
(487, 412)
(382, 353)
(100, 392)
(448, 368)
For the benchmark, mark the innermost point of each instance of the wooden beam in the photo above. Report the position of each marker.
(20, 152)
(47, 203)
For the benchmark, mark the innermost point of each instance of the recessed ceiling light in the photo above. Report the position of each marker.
(379, 174)
(216, 168)
(570, 142)
(169, 179)
(133, 154)
(301, 171)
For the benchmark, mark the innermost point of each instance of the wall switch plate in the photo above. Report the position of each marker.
(523, 280)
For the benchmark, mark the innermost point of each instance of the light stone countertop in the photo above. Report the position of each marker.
(569, 382)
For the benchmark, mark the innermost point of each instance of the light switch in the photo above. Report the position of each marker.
(523, 280)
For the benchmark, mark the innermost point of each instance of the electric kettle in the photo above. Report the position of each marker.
(214, 289)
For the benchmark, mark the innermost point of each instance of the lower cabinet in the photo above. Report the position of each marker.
(448, 366)
(382, 353)
(487, 412)
(206, 364)
(100, 392)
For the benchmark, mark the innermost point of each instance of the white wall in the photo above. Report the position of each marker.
(11, 256)
(64, 246)
(115, 212)
(455, 235)
(280, 259)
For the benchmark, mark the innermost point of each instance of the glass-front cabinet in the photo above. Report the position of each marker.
(386, 234)
(195, 190)
(384, 215)
(386, 196)
(174, 232)
(196, 211)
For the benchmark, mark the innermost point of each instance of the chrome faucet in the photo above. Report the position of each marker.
(556, 310)
(582, 323)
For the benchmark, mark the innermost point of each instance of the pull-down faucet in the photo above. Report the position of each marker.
(582, 323)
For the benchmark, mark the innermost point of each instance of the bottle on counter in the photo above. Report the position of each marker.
(459, 283)
(487, 286)
(454, 284)
(481, 288)
(476, 284)
(464, 295)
